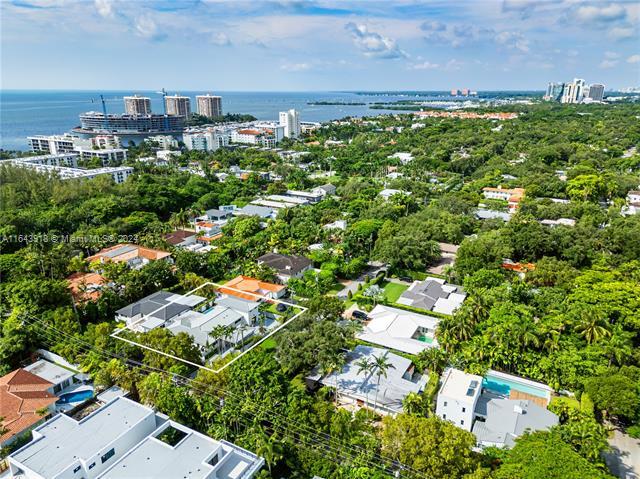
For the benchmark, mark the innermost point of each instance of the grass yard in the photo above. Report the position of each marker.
(392, 291)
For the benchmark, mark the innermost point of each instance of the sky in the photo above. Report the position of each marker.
(220, 45)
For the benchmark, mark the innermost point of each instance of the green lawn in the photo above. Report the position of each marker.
(393, 291)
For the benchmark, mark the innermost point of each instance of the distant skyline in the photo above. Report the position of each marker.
(217, 45)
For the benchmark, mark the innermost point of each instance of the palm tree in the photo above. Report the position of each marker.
(365, 365)
(592, 324)
(219, 333)
(433, 359)
(269, 447)
(334, 366)
(381, 367)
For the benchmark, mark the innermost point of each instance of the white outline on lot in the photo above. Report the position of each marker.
(215, 285)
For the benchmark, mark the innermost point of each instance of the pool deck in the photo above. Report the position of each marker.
(515, 394)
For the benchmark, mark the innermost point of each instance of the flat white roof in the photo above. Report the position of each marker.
(463, 387)
(62, 440)
(49, 371)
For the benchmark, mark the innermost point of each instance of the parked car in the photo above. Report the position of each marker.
(360, 315)
(281, 308)
(406, 279)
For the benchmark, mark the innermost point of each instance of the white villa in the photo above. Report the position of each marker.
(398, 329)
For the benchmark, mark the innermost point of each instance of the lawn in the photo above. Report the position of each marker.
(392, 291)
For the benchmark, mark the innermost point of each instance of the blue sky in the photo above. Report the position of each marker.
(223, 45)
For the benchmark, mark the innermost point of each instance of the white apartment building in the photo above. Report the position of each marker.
(119, 173)
(290, 120)
(124, 439)
(596, 92)
(177, 105)
(59, 159)
(205, 140)
(573, 91)
(165, 142)
(137, 105)
(56, 144)
(108, 156)
(458, 397)
(209, 105)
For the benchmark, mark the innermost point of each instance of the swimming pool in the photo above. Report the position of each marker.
(502, 385)
(425, 339)
(76, 396)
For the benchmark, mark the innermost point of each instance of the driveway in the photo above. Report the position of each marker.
(624, 458)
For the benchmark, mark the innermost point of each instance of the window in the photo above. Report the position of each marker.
(76, 469)
(92, 465)
(464, 409)
(444, 416)
(108, 455)
(462, 422)
(445, 404)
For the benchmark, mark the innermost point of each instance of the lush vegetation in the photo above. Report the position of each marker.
(573, 322)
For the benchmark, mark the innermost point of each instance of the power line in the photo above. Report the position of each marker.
(52, 335)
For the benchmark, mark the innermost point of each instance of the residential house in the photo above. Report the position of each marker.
(448, 254)
(387, 193)
(126, 439)
(513, 196)
(433, 294)
(497, 409)
(157, 309)
(60, 378)
(382, 394)
(248, 309)
(218, 216)
(254, 210)
(180, 238)
(135, 256)
(25, 401)
(311, 196)
(325, 190)
(398, 329)
(521, 269)
(404, 157)
(633, 203)
(336, 225)
(286, 266)
(252, 289)
(485, 214)
(86, 286)
(570, 222)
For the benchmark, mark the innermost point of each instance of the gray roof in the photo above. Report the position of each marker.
(154, 304)
(198, 325)
(400, 380)
(254, 210)
(483, 214)
(425, 293)
(215, 213)
(285, 264)
(507, 419)
(238, 304)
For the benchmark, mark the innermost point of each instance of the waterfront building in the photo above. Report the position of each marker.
(137, 105)
(209, 105)
(56, 144)
(290, 120)
(94, 122)
(119, 174)
(165, 142)
(177, 105)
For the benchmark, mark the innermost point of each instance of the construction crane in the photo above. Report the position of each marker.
(104, 112)
(164, 108)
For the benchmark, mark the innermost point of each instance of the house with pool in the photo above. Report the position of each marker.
(496, 408)
(398, 329)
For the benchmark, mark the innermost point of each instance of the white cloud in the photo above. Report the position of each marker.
(600, 13)
(611, 55)
(146, 27)
(295, 67)
(451, 65)
(512, 40)
(220, 39)
(633, 59)
(608, 64)
(104, 8)
(622, 33)
(373, 44)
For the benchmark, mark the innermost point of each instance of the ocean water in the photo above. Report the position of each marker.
(46, 112)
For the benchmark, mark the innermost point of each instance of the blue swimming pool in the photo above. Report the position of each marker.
(504, 386)
(76, 396)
